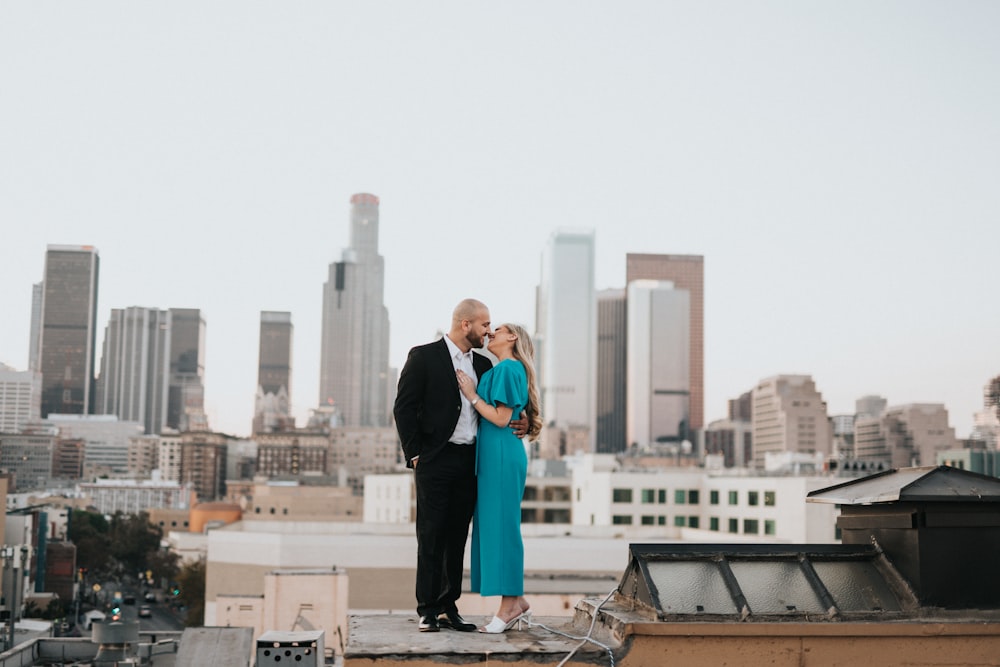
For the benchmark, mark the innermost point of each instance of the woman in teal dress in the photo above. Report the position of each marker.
(501, 468)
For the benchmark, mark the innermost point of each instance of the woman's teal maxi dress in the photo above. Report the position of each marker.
(497, 558)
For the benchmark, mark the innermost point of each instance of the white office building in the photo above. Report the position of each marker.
(567, 327)
(20, 398)
(658, 394)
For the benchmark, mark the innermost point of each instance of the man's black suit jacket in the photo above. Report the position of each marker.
(428, 400)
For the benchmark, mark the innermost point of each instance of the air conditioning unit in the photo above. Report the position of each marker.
(290, 648)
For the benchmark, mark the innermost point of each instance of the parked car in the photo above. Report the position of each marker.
(145, 611)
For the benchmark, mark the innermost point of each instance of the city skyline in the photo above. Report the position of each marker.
(834, 165)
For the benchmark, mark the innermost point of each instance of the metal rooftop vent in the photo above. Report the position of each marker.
(938, 526)
(696, 582)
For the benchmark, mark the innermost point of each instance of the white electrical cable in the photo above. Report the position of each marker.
(586, 638)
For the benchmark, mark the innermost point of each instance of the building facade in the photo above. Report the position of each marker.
(131, 497)
(357, 452)
(904, 435)
(28, 457)
(686, 272)
(20, 398)
(273, 402)
(658, 394)
(68, 329)
(354, 355)
(292, 453)
(789, 415)
(186, 395)
(106, 441)
(567, 327)
(611, 371)
(135, 367)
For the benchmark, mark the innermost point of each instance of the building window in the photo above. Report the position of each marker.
(734, 525)
(769, 498)
(734, 497)
(693, 497)
(713, 497)
(753, 498)
(750, 527)
(648, 496)
(680, 496)
(662, 496)
(622, 519)
(621, 495)
(648, 520)
(693, 522)
(713, 523)
(679, 521)
(660, 520)
(769, 527)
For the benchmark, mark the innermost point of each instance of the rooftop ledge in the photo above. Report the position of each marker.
(963, 637)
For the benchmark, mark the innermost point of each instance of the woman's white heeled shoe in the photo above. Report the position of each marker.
(497, 624)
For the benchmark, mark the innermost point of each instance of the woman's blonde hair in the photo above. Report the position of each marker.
(524, 351)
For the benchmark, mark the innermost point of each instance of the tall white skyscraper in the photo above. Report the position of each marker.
(135, 367)
(658, 398)
(567, 327)
(354, 361)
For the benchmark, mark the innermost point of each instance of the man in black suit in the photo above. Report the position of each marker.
(437, 428)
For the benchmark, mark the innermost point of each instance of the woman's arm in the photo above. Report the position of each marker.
(498, 415)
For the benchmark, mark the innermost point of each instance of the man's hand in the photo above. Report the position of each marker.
(520, 425)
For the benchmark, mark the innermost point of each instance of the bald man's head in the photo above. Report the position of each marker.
(470, 324)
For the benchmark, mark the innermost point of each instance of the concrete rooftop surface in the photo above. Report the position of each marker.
(393, 638)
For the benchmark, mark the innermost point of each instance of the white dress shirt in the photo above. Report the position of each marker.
(468, 419)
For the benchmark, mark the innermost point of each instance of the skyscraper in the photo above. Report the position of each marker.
(135, 367)
(659, 386)
(789, 415)
(611, 348)
(68, 329)
(354, 359)
(272, 406)
(567, 324)
(686, 272)
(186, 396)
(37, 292)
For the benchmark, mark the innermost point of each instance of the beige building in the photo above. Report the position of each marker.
(301, 500)
(789, 415)
(143, 456)
(293, 600)
(358, 451)
(292, 453)
(904, 435)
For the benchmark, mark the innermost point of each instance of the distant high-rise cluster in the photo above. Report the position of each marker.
(621, 368)
(354, 356)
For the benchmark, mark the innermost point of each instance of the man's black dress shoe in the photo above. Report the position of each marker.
(454, 620)
(429, 624)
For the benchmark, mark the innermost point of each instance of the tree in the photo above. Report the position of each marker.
(191, 581)
(126, 544)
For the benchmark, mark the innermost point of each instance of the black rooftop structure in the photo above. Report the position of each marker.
(939, 527)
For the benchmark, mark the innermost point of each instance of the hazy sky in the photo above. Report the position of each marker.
(837, 164)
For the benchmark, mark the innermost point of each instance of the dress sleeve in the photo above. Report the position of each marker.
(509, 386)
